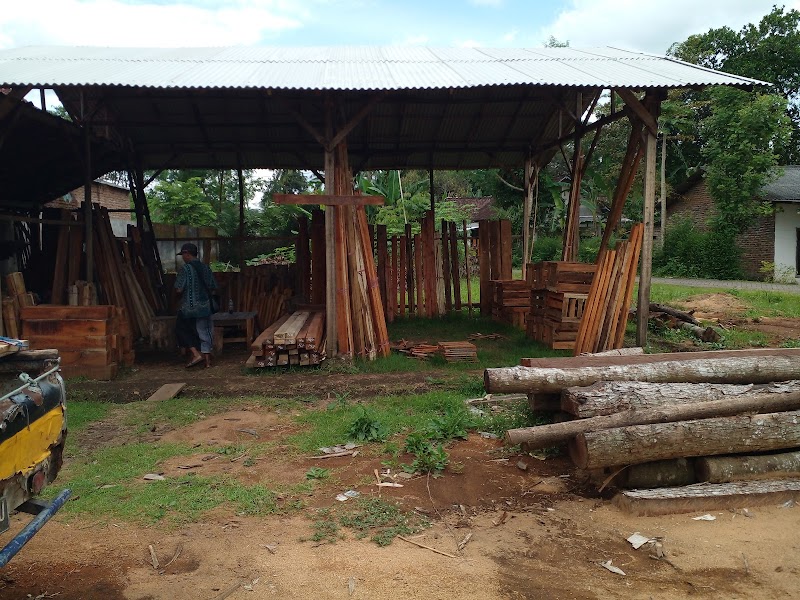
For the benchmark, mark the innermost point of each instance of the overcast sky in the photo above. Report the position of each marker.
(646, 25)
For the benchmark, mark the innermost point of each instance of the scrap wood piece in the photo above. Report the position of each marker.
(167, 391)
(707, 496)
(465, 541)
(405, 539)
(485, 336)
(153, 557)
(335, 454)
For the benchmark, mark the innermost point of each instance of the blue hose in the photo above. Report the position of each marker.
(24, 536)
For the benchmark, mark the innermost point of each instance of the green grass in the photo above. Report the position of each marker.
(82, 413)
(761, 303)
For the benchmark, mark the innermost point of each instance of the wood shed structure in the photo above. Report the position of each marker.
(331, 110)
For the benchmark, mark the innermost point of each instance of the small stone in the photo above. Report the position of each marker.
(522, 466)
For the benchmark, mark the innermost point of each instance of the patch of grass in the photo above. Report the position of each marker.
(109, 485)
(428, 458)
(511, 416)
(366, 427)
(381, 520)
(82, 413)
(767, 303)
(403, 413)
(325, 528)
(318, 473)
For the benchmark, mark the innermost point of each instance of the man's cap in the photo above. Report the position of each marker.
(188, 247)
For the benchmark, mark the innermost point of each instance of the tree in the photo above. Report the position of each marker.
(182, 203)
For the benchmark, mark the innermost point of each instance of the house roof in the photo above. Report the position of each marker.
(785, 188)
(479, 208)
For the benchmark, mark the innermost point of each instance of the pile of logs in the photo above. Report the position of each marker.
(673, 419)
(558, 292)
(668, 317)
(296, 339)
(511, 301)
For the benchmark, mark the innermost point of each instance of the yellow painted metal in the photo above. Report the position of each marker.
(30, 446)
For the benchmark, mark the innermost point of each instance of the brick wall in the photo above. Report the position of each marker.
(757, 243)
(109, 196)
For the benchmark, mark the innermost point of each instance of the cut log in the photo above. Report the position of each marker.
(712, 370)
(723, 469)
(701, 437)
(704, 334)
(554, 434)
(635, 351)
(673, 312)
(609, 397)
(707, 496)
(656, 474)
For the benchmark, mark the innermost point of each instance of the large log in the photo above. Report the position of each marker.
(705, 496)
(750, 369)
(722, 469)
(701, 437)
(554, 434)
(609, 397)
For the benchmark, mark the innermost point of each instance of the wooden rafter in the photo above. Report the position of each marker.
(639, 109)
(329, 199)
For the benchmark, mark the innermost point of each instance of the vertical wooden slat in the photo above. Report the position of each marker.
(466, 268)
(402, 276)
(429, 260)
(303, 259)
(383, 254)
(60, 269)
(454, 270)
(485, 266)
(420, 283)
(379, 320)
(505, 250)
(410, 269)
(495, 260)
(636, 245)
(643, 311)
(393, 271)
(446, 266)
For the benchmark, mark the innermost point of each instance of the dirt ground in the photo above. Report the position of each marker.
(537, 533)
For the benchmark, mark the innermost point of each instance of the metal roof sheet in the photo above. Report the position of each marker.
(349, 68)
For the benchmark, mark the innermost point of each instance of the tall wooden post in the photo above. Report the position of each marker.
(87, 203)
(241, 217)
(526, 215)
(332, 344)
(663, 224)
(645, 273)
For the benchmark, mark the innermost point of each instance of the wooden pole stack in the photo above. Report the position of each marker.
(656, 420)
(602, 325)
(296, 339)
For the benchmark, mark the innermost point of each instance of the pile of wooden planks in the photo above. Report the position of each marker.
(675, 419)
(558, 293)
(605, 316)
(293, 339)
(511, 301)
(458, 351)
(92, 341)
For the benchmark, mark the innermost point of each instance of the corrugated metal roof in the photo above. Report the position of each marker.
(349, 68)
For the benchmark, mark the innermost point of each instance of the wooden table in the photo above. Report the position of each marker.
(245, 321)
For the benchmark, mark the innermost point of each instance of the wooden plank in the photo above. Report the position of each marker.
(637, 233)
(485, 267)
(467, 268)
(410, 279)
(420, 281)
(455, 273)
(59, 290)
(646, 269)
(329, 200)
(446, 267)
(53, 312)
(167, 392)
(287, 333)
(15, 284)
(383, 265)
(504, 234)
(495, 252)
(402, 275)
(391, 284)
(344, 325)
(381, 334)
(66, 327)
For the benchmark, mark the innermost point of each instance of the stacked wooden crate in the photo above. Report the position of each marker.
(295, 339)
(458, 351)
(511, 301)
(558, 292)
(92, 341)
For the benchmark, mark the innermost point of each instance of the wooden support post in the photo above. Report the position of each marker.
(401, 281)
(504, 233)
(466, 268)
(526, 215)
(241, 217)
(484, 267)
(331, 344)
(646, 269)
(455, 272)
(383, 266)
(410, 269)
(446, 266)
(87, 203)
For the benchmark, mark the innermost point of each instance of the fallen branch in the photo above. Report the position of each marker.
(405, 539)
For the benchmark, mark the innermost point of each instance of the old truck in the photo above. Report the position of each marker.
(33, 427)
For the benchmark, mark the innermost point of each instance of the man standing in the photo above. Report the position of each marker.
(193, 325)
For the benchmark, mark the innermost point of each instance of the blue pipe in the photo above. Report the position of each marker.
(24, 536)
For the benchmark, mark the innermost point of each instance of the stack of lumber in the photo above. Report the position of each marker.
(423, 351)
(458, 351)
(92, 341)
(605, 316)
(260, 288)
(17, 297)
(674, 419)
(511, 301)
(293, 339)
(121, 277)
(558, 293)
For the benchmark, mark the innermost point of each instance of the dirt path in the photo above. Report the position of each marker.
(535, 533)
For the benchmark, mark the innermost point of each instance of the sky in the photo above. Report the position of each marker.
(644, 25)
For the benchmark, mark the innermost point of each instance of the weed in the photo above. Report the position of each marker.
(325, 527)
(454, 423)
(430, 459)
(416, 442)
(318, 473)
(366, 427)
(340, 400)
(382, 519)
